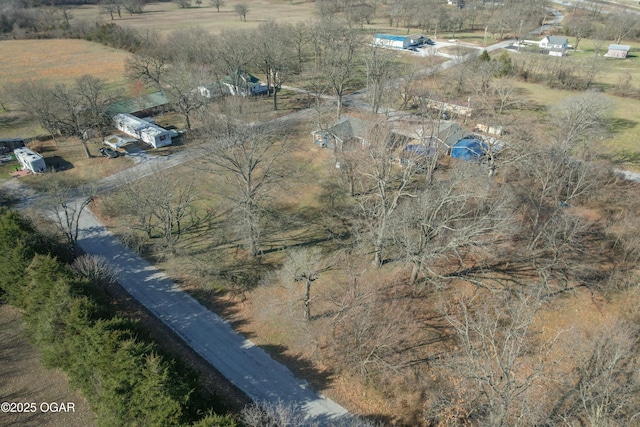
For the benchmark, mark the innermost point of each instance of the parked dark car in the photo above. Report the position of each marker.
(108, 152)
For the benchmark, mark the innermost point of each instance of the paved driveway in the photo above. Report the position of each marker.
(247, 366)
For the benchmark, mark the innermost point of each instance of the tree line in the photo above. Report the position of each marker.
(120, 371)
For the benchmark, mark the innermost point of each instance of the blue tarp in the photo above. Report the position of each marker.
(469, 149)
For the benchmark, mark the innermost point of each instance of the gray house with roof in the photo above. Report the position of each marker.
(342, 135)
(554, 45)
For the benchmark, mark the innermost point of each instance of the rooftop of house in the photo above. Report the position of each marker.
(139, 103)
(242, 77)
(391, 37)
(619, 47)
(556, 40)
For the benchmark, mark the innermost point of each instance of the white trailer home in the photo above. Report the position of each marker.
(145, 131)
(30, 160)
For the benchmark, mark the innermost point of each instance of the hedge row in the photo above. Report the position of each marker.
(120, 372)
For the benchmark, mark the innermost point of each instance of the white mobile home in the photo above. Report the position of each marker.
(30, 160)
(145, 131)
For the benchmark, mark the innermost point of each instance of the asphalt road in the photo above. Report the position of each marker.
(247, 366)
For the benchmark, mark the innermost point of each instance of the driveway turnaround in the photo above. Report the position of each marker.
(247, 366)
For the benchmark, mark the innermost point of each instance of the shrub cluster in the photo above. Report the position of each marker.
(120, 372)
(109, 34)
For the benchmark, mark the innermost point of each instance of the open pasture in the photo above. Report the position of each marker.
(167, 16)
(54, 62)
(59, 61)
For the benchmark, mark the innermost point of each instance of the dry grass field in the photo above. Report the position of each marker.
(166, 17)
(59, 61)
(54, 61)
(26, 380)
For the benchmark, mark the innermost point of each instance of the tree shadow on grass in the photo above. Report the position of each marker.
(623, 157)
(301, 367)
(57, 163)
(619, 124)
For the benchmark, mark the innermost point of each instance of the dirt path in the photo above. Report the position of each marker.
(25, 380)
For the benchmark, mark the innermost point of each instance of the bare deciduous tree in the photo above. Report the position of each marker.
(217, 4)
(305, 265)
(384, 186)
(251, 160)
(602, 388)
(241, 9)
(37, 100)
(621, 24)
(580, 120)
(162, 206)
(65, 201)
(340, 45)
(380, 70)
(373, 327)
(495, 340)
(276, 55)
(449, 218)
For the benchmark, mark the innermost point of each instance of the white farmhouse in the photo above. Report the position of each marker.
(554, 45)
(143, 130)
(30, 160)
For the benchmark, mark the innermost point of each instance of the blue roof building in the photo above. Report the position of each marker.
(401, 42)
(469, 149)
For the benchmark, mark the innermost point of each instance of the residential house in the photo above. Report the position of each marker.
(449, 135)
(144, 130)
(554, 45)
(341, 136)
(145, 103)
(618, 51)
(244, 84)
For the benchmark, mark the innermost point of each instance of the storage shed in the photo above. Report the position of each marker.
(8, 145)
(618, 51)
(145, 131)
(30, 160)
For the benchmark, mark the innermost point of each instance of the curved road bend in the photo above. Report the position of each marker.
(246, 365)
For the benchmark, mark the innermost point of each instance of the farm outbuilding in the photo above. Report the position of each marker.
(144, 130)
(401, 42)
(150, 102)
(618, 51)
(8, 145)
(470, 149)
(30, 160)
